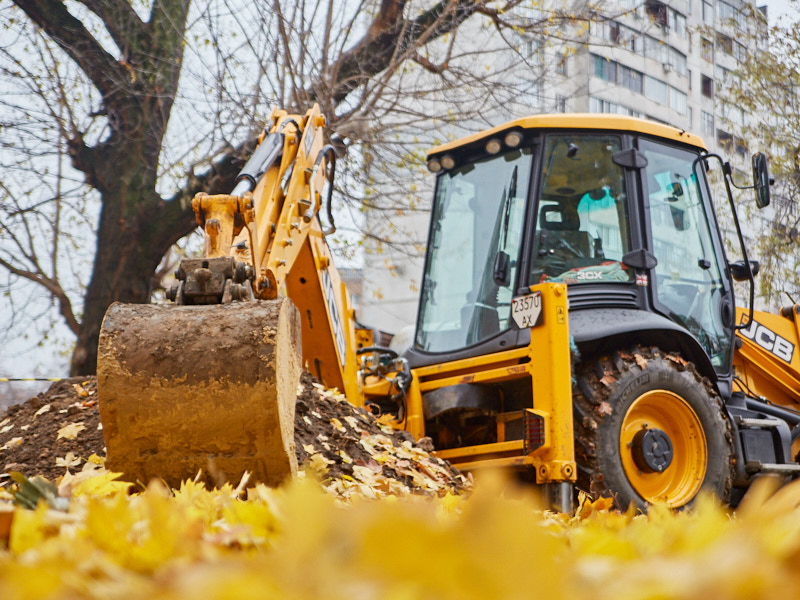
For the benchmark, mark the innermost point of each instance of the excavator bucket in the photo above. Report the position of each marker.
(211, 389)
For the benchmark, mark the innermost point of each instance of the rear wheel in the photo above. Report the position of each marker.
(649, 430)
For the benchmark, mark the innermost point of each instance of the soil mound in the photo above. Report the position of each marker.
(346, 447)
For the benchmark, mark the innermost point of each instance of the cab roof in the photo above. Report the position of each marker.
(579, 121)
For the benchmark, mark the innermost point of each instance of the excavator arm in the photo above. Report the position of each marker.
(208, 384)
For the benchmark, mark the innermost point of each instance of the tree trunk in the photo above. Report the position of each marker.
(128, 252)
(136, 229)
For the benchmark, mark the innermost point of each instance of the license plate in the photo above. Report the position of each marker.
(527, 310)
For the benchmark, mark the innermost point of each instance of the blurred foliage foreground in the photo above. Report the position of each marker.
(90, 538)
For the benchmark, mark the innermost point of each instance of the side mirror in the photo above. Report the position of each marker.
(761, 179)
(675, 191)
(739, 269)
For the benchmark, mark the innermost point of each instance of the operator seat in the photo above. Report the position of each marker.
(559, 244)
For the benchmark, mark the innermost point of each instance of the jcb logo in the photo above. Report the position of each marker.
(769, 340)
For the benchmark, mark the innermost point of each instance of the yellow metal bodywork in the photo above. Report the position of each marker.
(546, 361)
(217, 215)
(576, 121)
(768, 362)
(761, 362)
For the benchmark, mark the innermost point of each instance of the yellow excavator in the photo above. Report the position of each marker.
(577, 321)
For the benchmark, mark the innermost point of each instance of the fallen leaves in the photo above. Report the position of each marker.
(42, 410)
(12, 443)
(296, 542)
(68, 461)
(70, 431)
(607, 379)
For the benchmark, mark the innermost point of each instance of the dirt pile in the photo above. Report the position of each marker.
(347, 448)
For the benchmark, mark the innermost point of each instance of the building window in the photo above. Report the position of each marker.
(655, 89)
(725, 140)
(725, 12)
(535, 94)
(741, 20)
(739, 52)
(741, 147)
(658, 12)
(613, 72)
(707, 124)
(707, 50)
(677, 61)
(534, 50)
(630, 78)
(677, 22)
(654, 49)
(707, 86)
(561, 104)
(677, 100)
(561, 67)
(689, 77)
(708, 12)
(598, 105)
(725, 43)
(605, 69)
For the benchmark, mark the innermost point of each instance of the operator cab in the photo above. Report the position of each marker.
(617, 208)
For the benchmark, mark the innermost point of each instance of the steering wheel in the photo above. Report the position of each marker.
(566, 245)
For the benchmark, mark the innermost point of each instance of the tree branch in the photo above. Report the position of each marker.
(390, 35)
(121, 22)
(70, 34)
(52, 286)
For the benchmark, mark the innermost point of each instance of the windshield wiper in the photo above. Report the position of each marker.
(502, 261)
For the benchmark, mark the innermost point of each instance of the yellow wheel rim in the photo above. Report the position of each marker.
(679, 482)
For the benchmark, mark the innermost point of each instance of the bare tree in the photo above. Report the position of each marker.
(760, 102)
(116, 113)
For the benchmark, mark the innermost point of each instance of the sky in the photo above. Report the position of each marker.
(779, 8)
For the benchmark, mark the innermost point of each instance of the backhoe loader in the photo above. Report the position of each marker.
(577, 321)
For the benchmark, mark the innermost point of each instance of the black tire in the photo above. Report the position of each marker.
(620, 454)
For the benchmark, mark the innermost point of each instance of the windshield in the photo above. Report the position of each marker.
(582, 225)
(471, 268)
(688, 274)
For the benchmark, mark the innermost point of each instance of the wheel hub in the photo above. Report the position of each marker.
(652, 450)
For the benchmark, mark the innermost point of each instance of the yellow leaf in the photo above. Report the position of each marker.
(100, 483)
(386, 419)
(41, 411)
(28, 528)
(71, 431)
(70, 460)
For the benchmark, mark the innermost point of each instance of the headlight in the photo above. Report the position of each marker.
(513, 139)
(493, 146)
(448, 162)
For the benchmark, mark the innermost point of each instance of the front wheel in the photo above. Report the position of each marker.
(650, 429)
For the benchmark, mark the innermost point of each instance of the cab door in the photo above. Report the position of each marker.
(691, 286)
